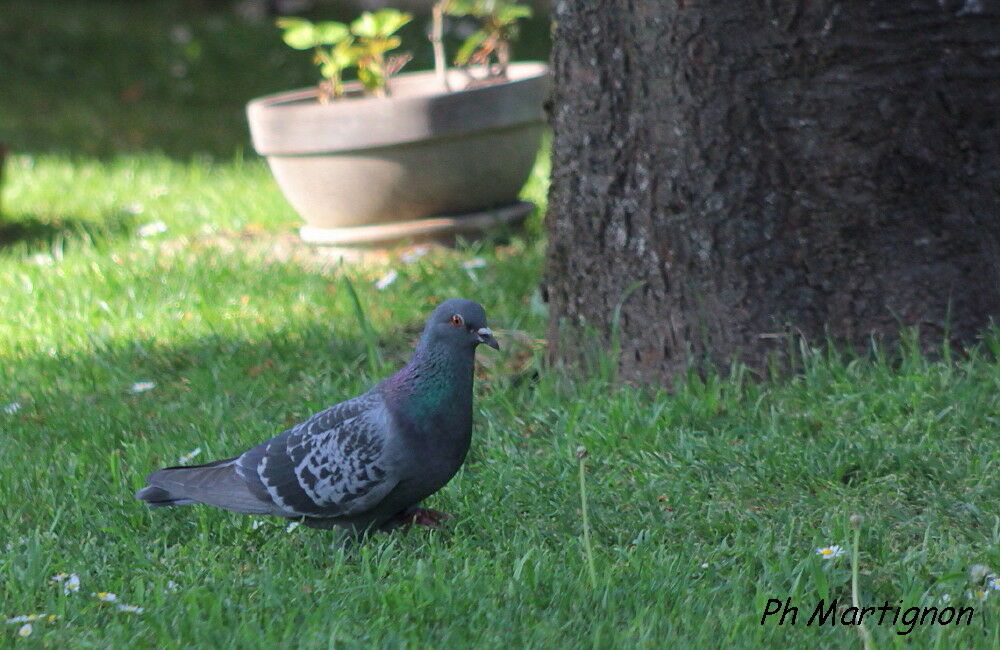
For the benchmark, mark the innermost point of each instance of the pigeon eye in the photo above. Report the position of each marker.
(457, 320)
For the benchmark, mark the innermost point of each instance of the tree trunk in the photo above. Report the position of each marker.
(819, 169)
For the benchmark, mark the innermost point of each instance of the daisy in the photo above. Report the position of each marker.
(25, 630)
(106, 596)
(24, 618)
(979, 594)
(292, 526)
(830, 552)
(130, 609)
(72, 584)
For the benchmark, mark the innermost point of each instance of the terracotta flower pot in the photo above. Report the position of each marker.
(420, 162)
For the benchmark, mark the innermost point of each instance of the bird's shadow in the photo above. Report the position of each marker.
(36, 231)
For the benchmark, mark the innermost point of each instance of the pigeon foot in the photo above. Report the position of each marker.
(418, 516)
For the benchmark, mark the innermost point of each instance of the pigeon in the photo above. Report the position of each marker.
(364, 464)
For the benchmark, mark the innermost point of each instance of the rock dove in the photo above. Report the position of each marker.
(363, 464)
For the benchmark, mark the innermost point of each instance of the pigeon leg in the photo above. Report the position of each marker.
(428, 517)
(415, 515)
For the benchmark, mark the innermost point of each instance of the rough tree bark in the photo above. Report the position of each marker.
(766, 169)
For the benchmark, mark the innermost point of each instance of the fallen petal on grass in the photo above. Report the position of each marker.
(188, 457)
(412, 256)
(383, 283)
(142, 386)
(152, 228)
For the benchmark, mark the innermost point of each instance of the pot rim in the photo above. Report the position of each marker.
(292, 123)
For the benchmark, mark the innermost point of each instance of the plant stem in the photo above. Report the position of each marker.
(588, 549)
(437, 41)
(374, 359)
(866, 638)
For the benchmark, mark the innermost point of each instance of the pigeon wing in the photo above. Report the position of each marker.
(334, 464)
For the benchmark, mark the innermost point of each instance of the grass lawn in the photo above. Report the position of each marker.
(703, 504)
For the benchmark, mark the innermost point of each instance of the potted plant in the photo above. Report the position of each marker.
(392, 156)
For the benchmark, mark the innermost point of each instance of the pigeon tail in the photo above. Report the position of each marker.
(215, 484)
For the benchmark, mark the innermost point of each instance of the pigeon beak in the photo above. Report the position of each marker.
(486, 336)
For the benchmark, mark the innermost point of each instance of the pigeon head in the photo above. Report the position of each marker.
(458, 322)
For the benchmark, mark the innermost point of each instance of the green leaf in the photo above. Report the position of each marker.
(290, 21)
(464, 8)
(469, 47)
(330, 70)
(381, 46)
(380, 24)
(388, 21)
(331, 32)
(345, 53)
(510, 13)
(299, 34)
(364, 26)
(371, 78)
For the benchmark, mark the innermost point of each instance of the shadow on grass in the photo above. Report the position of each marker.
(160, 76)
(36, 232)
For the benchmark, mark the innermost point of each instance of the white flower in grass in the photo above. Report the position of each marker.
(106, 596)
(152, 228)
(142, 386)
(387, 279)
(979, 594)
(993, 582)
(171, 587)
(412, 256)
(257, 523)
(24, 618)
(704, 565)
(31, 618)
(830, 552)
(131, 609)
(945, 598)
(188, 457)
(72, 584)
(25, 630)
(12, 408)
(471, 265)
(180, 34)
(292, 526)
